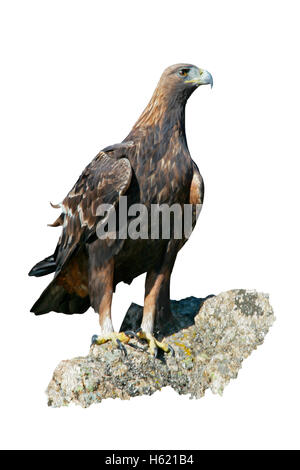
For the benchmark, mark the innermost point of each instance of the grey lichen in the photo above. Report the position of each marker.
(211, 338)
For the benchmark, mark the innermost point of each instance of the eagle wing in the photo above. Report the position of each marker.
(196, 189)
(103, 181)
(196, 194)
(196, 197)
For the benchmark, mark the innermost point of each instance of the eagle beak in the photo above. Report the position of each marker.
(203, 78)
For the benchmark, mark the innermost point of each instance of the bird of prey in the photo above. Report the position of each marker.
(152, 165)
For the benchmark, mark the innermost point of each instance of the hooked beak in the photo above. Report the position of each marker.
(203, 78)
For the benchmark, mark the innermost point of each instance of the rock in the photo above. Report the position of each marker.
(211, 337)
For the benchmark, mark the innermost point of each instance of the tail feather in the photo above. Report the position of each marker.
(56, 299)
(44, 267)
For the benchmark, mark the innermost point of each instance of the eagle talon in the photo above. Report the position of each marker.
(154, 344)
(119, 339)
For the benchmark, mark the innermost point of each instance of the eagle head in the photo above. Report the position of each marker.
(175, 86)
(183, 79)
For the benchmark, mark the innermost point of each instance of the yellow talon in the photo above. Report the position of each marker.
(119, 339)
(154, 344)
(113, 336)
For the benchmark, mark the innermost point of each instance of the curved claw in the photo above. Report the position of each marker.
(131, 334)
(171, 350)
(94, 340)
(121, 347)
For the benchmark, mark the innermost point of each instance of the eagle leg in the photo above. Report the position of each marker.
(157, 304)
(101, 292)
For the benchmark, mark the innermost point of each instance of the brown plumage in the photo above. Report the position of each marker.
(151, 166)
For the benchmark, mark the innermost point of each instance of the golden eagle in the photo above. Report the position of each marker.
(151, 166)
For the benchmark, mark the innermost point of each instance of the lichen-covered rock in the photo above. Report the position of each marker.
(211, 337)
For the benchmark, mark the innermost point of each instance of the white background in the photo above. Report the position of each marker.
(74, 78)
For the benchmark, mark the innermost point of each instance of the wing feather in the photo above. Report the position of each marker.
(103, 181)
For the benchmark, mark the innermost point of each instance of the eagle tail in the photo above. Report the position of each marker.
(56, 299)
(44, 267)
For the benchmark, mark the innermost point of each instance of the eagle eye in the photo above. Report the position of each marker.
(183, 72)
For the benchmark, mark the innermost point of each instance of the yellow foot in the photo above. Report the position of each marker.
(119, 339)
(154, 344)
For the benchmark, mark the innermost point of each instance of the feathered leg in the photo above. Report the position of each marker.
(101, 292)
(157, 301)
